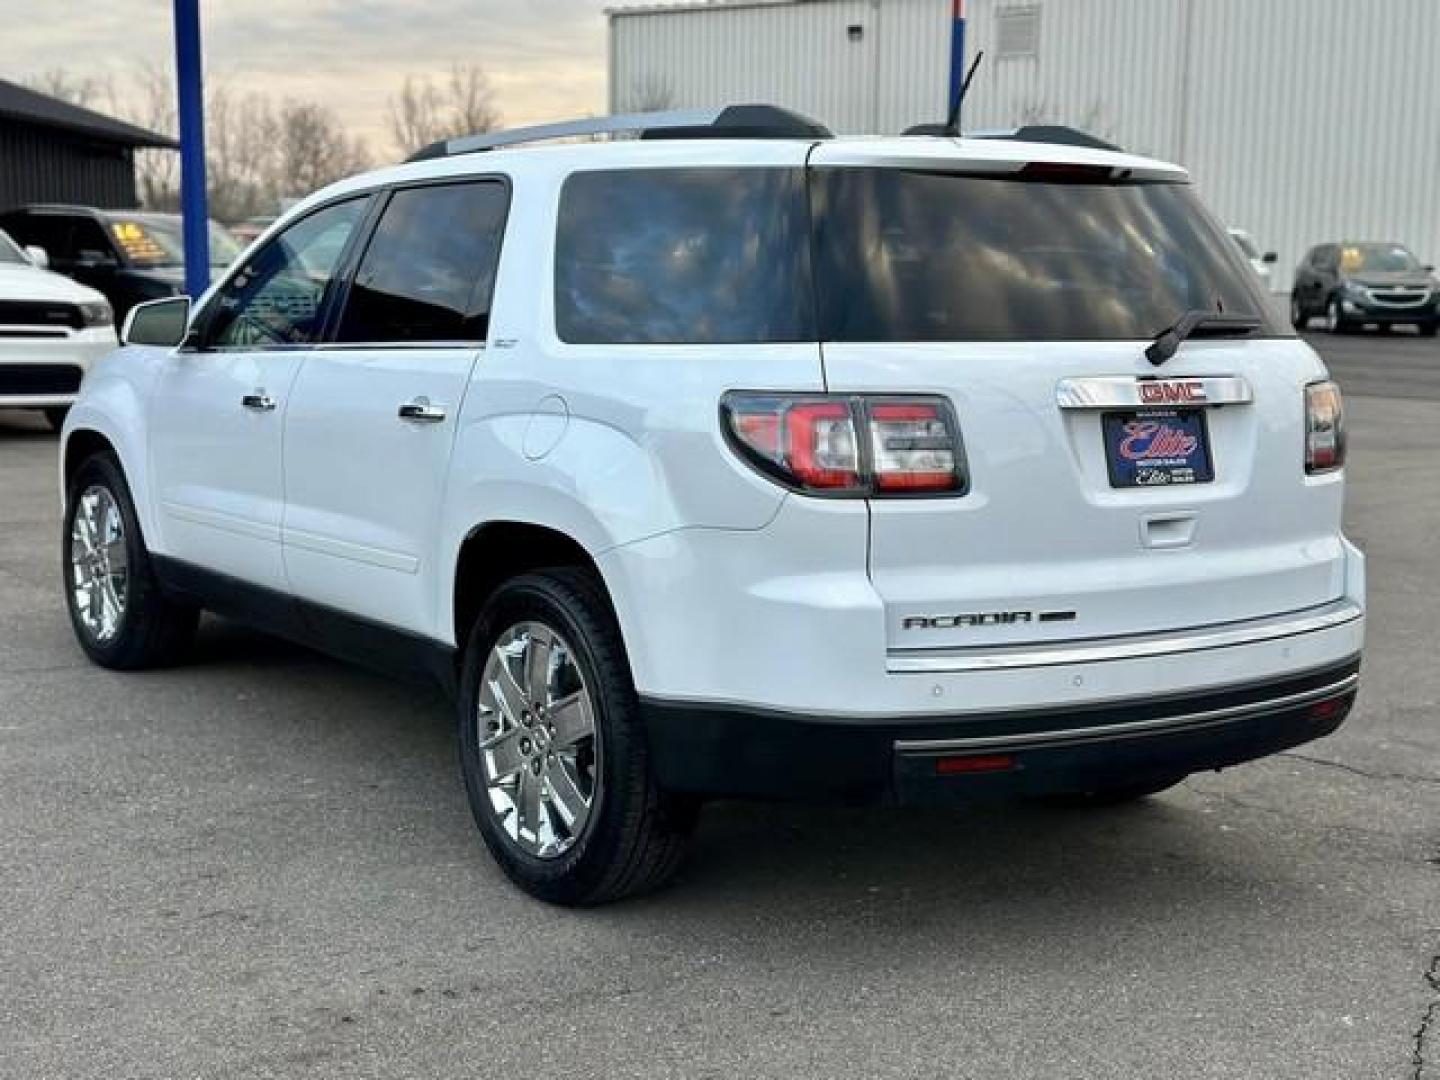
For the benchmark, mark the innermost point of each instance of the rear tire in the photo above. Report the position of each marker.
(120, 617)
(1298, 318)
(1429, 329)
(1116, 795)
(547, 646)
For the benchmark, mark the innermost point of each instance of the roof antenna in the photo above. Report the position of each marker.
(952, 123)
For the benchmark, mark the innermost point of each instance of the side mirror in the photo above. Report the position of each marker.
(38, 256)
(157, 322)
(95, 260)
(1270, 258)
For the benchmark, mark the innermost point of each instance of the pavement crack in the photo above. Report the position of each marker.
(1355, 770)
(1428, 1018)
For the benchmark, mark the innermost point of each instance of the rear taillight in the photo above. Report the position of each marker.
(1324, 428)
(854, 445)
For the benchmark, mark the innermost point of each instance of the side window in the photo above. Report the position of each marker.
(429, 270)
(278, 296)
(1325, 257)
(49, 231)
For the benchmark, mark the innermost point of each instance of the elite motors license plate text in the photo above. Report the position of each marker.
(1157, 447)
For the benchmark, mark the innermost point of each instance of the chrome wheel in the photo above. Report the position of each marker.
(538, 745)
(1332, 317)
(99, 564)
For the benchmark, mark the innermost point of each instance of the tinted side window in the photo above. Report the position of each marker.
(699, 256)
(89, 238)
(49, 231)
(429, 270)
(278, 296)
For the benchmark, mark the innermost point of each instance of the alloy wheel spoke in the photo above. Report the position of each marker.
(527, 804)
(504, 753)
(537, 667)
(565, 795)
(508, 693)
(571, 719)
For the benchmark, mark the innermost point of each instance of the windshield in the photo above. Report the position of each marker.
(902, 255)
(10, 251)
(1377, 259)
(153, 240)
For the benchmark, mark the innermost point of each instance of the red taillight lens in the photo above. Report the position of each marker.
(911, 446)
(1324, 428)
(974, 763)
(805, 441)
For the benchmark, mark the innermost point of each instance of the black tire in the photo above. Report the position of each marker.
(1115, 795)
(1299, 318)
(636, 835)
(152, 631)
(56, 417)
(1429, 329)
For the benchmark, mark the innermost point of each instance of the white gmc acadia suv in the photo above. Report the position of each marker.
(738, 460)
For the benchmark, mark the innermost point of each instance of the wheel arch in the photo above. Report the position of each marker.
(495, 551)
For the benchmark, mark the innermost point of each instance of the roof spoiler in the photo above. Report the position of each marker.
(729, 122)
(1038, 133)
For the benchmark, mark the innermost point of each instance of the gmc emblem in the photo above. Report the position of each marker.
(1172, 392)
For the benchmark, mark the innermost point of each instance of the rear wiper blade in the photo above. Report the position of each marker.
(1198, 324)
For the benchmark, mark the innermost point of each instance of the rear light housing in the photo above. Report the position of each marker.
(855, 446)
(1324, 428)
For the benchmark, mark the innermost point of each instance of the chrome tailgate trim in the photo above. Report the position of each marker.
(1133, 647)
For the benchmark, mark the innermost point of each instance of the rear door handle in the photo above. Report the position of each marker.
(420, 411)
(258, 402)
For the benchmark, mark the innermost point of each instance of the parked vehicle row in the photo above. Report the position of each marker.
(556, 424)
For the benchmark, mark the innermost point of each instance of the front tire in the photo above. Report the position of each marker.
(1429, 329)
(553, 750)
(120, 617)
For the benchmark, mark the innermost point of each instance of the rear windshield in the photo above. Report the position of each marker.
(912, 256)
(727, 255)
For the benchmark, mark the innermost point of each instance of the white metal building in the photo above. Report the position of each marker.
(1301, 120)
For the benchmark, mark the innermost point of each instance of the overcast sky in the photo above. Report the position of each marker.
(545, 58)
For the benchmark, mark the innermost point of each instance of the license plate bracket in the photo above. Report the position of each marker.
(1157, 447)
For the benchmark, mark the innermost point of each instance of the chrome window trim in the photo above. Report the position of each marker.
(1123, 391)
(1134, 647)
(1102, 732)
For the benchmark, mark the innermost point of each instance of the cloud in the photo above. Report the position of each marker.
(545, 58)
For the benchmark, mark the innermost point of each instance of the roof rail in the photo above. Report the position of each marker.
(729, 122)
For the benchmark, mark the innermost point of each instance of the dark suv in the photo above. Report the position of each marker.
(1353, 284)
(128, 256)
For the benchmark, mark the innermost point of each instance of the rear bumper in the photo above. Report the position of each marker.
(744, 752)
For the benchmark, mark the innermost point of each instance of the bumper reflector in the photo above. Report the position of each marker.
(974, 763)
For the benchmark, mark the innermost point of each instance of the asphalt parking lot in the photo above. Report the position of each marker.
(262, 864)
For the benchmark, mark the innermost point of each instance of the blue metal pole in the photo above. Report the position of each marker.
(189, 82)
(957, 51)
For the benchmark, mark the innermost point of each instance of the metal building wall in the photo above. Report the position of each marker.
(800, 55)
(1301, 120)
(38, 164)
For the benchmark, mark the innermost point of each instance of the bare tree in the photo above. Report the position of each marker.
(89, 91)
(424, 112)
(312, 150)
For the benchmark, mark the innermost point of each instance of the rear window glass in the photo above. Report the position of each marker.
(683, 256)
(912, 256)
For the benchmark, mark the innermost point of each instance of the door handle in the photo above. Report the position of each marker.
(420, 411)
(258, 402)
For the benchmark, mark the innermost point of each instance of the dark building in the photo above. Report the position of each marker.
(52, 151)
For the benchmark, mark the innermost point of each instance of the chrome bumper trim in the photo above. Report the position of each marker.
(1123, 391)
(1158, 726)
(1003, 658)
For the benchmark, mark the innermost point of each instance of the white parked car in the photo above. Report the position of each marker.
(1263, 265)
(745, 462)
(51, 330)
